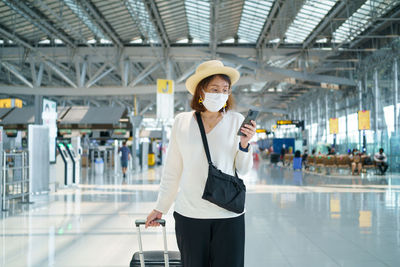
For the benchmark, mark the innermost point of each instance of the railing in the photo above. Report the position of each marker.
(15, 178)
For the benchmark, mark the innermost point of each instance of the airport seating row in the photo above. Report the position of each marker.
(332, 161)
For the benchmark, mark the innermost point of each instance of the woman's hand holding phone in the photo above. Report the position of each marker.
(248, 131)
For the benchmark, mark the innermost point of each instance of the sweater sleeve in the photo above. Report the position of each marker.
(243, 160)
(171, 174)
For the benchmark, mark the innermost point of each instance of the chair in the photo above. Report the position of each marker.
(286, 159)
(368, 164)
(343, 162)
(329, 163)
(290, 158)
(319, 162)
(311, 161)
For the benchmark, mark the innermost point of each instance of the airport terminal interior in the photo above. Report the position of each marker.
(81, 79)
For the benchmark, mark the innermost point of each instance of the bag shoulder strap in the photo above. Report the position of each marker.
(203, 137)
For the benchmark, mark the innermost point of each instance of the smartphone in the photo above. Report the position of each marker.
(251, 116)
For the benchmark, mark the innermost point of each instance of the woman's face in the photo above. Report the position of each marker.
(217, 85)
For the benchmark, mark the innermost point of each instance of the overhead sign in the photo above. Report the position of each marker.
(65, 131)
(284, 122)
(333, 125)
(119, 131)
(165, 86)
(364, 122)
(330, 86)
(49, 118)
(291, 122)
(10, 103)
(165, 99)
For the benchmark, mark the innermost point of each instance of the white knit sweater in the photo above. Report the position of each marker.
(186, 167)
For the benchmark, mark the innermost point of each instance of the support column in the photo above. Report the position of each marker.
(307, 136)
(396, 96)
(335, 115)
(135, 121)
(318, 119)
(310, 133)
(360, 107)
(326, 116)
(377, 99)
(346, 111)
(38, 109)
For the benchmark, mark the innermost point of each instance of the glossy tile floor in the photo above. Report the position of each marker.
(292, 219)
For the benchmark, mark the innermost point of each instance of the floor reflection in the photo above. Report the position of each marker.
(300, 218)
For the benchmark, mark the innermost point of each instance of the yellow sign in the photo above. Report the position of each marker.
(165, 86)
(364, 120)
(10, 103)
(261, 131)
(333, 125)
(284, 122)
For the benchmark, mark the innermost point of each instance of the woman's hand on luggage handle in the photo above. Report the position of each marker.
(154, 215)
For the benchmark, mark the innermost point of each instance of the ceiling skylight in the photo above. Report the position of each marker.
(253, 18)
(309, 16)
(198, 15)
(362, 19)
(73, 5)
(141, 17)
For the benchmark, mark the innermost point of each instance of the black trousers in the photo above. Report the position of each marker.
(383, 166)
(210, 242)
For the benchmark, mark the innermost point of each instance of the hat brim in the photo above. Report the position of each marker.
(193, 80)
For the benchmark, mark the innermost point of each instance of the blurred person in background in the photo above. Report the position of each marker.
(381, 161)
(125, 157)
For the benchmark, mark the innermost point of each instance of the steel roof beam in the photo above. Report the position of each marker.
(37, 19)
(154, 14)
(37, 78)
(214, 28)
(98, 91)
(146, 72)
(187, 73)
(324, 23)
(14, 71)
(375, 27)
(267, 25)
(60, 73)
(99, 76)
(99, 19)
(290, 73)
(24, 43)
(262, 109)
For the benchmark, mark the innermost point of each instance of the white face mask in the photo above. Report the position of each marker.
(214, 101)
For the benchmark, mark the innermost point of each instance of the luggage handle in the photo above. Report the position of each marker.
(141, 256)
(142, 222)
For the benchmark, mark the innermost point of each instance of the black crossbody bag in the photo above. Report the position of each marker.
(224, 190)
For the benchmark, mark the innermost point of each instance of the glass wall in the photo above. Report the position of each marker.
(376, 92)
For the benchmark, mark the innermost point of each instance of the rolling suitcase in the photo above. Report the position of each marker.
(157, 257)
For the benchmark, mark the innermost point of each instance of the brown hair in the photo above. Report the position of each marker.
(202, 85)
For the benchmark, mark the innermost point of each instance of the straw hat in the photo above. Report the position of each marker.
(209, 68)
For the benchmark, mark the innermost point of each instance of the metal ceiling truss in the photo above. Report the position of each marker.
(97, 71)
(101, 22)
(270, 20)
(36, 18)
(157, 22)
(214, 28)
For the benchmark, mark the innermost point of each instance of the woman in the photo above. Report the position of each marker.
(355, 159)
(207, 235)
